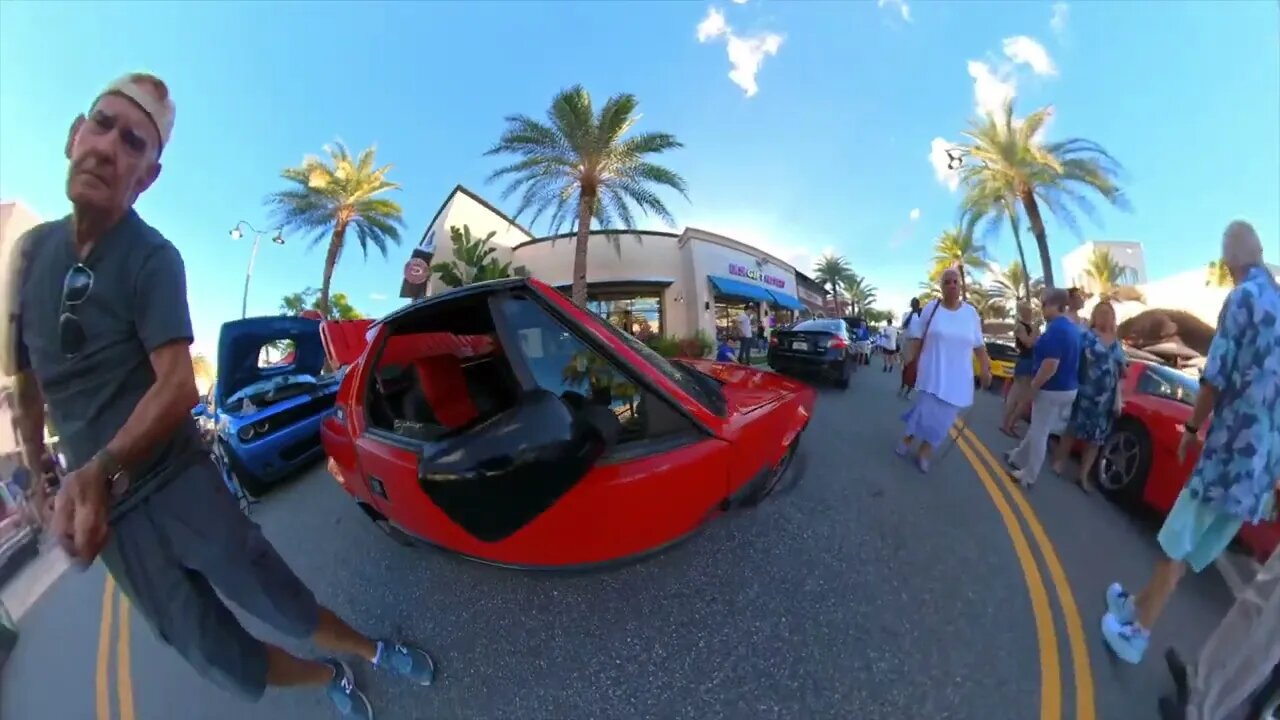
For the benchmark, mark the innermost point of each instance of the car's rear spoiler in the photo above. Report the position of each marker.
(344, 340)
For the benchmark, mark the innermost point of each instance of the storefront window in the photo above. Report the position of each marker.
(727, 312)
(639, 316)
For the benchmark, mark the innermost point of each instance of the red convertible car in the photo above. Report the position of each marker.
(1138, 463)
(504, 423)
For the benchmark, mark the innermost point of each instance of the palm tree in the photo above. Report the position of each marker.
(1011, 284)
(834, 272)
(579, 166)
(1011, 162)
(989, 305)
(956, 248)
(991, 205)
(1104, 272)
(861, 294)
(1217, 275)
(202, 369)
(472, 261)
(335, 196)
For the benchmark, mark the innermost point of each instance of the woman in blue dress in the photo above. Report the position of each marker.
(1098, 402)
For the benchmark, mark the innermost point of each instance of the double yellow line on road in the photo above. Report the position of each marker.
(998, 485)
(112, 598)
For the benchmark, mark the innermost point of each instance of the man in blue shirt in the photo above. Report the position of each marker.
(1056, 360)
(1234, 482)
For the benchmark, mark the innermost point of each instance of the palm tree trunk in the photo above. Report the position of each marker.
(964, 283)
(1042, 237)
(1022, 255)
(587, 200)
(330, 262)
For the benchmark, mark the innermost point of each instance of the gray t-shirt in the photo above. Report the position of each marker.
(137, 303)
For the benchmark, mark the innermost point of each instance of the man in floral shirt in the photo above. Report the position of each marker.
(1234, 479)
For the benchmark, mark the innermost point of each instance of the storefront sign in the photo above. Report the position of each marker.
(415, 271)
(757, 275)
(810, 296)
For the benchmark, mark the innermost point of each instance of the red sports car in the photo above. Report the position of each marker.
(504, 423)
(1138, 462)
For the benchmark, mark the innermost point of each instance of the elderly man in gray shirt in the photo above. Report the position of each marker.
(104, 335)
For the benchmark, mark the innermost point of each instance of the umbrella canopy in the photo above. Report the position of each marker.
(1172, 349)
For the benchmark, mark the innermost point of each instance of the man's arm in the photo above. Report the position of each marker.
(1048, 367)
(164, 326)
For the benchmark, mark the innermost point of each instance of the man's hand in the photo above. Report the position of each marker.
(80, 513)
(1185, 445)
(986, 378)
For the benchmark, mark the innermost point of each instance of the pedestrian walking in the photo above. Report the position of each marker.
(942, 341)
(908, 369)
(746, 336)
(1019, 395)
(1237, 660)
(1056, 359)
(104, 341)
(1234, 477)
(889, 346)
(1075, 303)
(1098, 400)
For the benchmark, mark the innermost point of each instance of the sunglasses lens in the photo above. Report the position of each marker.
(77, 285)
(71, 335)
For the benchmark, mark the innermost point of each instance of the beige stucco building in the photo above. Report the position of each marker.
(668, 283)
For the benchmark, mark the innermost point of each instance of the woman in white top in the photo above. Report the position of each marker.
(945, 337)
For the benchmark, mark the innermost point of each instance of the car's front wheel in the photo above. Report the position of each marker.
(1124, 461)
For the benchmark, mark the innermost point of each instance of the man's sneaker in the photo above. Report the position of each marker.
(902, 449)
(407, 661)
(1127, 640)
(1008, 460)
(1120, 603)
(346, 697)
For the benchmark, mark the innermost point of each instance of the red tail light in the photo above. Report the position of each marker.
(837, 343)
(773, 339)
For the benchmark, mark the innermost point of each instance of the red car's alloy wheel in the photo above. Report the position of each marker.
(779, 471)
(1124, 461)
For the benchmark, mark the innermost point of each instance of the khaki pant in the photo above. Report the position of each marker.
(1242, 653)
(1048, 411)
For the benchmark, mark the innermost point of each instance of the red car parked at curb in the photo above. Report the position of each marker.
(503, 423)
(1138, 463)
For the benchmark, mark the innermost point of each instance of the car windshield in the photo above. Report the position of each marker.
(831, 326)
(1166, 382)
(693, 383)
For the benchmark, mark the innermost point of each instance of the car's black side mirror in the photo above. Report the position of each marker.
(496, 477)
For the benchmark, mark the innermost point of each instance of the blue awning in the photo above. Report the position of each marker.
(790, 302)
(739, 289)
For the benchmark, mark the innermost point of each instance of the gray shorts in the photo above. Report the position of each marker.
(175, 547)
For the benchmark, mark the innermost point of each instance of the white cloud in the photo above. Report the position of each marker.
(1023, 50)
(991, 90)
(712, 26)
(377, 296)
(900, 5)
(939, 159)
(739, 2)
(1058, 17)
(746, 53)
(915, 214)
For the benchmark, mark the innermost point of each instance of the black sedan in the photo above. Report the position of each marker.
(821, 346)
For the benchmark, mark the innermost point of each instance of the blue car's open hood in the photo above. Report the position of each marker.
(241, 340)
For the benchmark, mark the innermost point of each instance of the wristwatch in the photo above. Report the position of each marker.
(117, 478)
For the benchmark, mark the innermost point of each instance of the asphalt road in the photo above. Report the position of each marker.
(866, 590)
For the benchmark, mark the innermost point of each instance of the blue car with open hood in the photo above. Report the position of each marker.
(267, 412)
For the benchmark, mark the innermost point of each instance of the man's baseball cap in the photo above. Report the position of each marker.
(149, 93)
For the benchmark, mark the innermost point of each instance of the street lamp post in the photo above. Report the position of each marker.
(236, 234)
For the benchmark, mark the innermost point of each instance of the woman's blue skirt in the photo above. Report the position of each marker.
(930, 418)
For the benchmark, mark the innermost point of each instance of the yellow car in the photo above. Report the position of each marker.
(1003, 357)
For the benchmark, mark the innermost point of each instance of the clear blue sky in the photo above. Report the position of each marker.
(831, 152)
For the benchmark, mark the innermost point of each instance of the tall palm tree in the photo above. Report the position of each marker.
(989, 305)
(1104, 273)
(1011, 162)
(1013, 285)
(956, 248)
(992, 204)
(1217, 275)
(579, 166)
(834, 272)
(862, 294)
(334, 196)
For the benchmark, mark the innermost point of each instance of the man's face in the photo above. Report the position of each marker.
(114, 155)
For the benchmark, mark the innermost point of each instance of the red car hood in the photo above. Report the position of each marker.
(746, 388)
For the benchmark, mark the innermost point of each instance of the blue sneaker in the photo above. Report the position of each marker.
(346, 697)
(1127, 640)
(1120, 603)
(406, 660)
